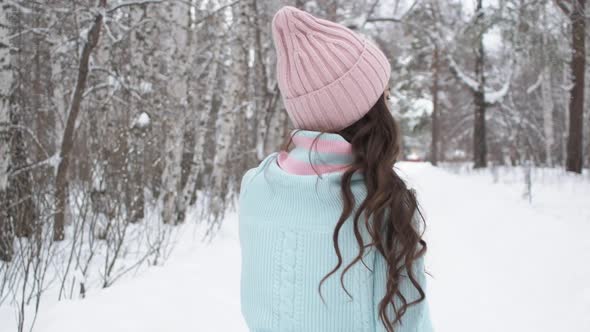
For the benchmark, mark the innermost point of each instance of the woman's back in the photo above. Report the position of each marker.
(287, 223)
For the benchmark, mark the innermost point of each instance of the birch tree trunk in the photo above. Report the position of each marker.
(200, 125)
(231, 107)
(61, 181)
(136, 167)
(172, 169)
(547, 94)
(6, 84)
(173, 43)
(263, 98)
(434, 145)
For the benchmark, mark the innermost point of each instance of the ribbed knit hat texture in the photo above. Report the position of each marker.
(328, 75)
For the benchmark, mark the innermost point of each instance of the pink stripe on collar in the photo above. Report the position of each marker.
(298, 167)
(322, 145)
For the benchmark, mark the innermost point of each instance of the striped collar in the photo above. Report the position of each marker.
(316, 153)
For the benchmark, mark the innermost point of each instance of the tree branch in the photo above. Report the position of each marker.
(563, 6)
(383, 19)
(132, 3)
(213, 13)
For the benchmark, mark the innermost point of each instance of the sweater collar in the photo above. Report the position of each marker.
(316, 153)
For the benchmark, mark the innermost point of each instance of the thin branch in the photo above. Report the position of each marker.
(389, 19)
(51, 161)
(562, 5)
(33, 137)
(132, 3)
(383, 19)
(213, 13)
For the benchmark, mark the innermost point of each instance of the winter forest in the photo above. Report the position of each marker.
(122, 121)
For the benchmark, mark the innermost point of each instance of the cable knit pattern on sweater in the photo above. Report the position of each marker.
(287, 217)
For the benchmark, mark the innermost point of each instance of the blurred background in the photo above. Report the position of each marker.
(126, 125)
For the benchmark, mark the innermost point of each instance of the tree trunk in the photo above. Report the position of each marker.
(300, 4)
(576, 102)
(174, 42)
(479, 122)
(263, 97)
(20, 191)
(230, 110)
(547, 97)
(40, 96)
(201, 121)
(434, 145)
(6, 86)
(136, 167)
(61, 181)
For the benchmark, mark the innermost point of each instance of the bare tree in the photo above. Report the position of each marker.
(576, 12)
(6, 86)
(480, 149)
(233, 105)
(61, 182)
(435, 139)
(201, 119)
(547, 97)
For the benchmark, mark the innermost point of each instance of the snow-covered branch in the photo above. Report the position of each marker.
(469, 82)
(491, 96)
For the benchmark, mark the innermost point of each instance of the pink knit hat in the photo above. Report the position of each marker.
(328, 75)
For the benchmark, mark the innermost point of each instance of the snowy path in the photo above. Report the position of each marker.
(498, 263)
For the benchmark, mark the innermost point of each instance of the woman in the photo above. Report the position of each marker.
(329, 232)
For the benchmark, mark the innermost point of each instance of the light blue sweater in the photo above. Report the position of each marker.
(286, 226)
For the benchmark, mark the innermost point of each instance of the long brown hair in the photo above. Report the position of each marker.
(389, 213)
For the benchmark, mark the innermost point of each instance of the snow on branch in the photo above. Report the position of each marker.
(464, 78)
(490, 96)
(493, 97)
(535, 85)
(52, 161)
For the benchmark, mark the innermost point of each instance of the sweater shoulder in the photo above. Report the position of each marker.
(249, 175)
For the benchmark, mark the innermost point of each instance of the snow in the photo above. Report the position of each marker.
(490, 96)
(470, 82)
(493, 97)
(416, 110)
(535, 85)
(404, 61)
(492, 40)
(142, 121)
(498, 263)
(506, 264)
(145, 87)
(54, 161)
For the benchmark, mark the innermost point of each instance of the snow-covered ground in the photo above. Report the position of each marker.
(498, 263)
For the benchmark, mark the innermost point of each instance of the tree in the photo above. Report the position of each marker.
(6, 85)
(61, 181)
(174, 39)
(575, 10)
(480, 148)
(435, 139)
(547, 97)
(210, 27)
(233, 107)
